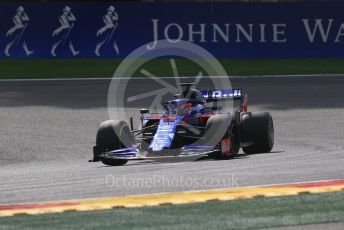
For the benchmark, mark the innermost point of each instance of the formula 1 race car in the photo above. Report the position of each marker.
(191, 127)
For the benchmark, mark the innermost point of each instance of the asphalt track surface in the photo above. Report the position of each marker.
(48, 128)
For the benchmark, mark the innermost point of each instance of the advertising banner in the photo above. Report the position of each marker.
(227, 30)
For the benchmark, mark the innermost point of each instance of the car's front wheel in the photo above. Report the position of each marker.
(112, 135)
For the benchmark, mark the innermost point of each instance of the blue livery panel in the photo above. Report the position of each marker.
(164, 135)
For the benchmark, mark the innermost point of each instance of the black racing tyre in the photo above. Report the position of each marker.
(257, 128)
(225, 127)
(112, 135)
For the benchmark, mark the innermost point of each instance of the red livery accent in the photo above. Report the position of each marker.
(203, 118)
(225, 147)
(244, 104)
(36, 206)
(320, 184)
(153, 118)
(169, 119)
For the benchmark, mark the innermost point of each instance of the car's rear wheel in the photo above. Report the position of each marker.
(258, 129)
(112, 135)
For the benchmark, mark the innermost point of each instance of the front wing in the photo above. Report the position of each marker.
(190, 152)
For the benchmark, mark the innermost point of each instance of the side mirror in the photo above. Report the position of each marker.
(144, 111)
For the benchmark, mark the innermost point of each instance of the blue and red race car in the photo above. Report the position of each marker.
(192, 126)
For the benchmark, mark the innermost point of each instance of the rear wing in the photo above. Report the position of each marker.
(235, 94)
(213, 95)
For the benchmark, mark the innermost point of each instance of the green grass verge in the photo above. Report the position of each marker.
(239, 214)
(71, 68)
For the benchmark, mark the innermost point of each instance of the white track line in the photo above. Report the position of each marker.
(191, 77)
